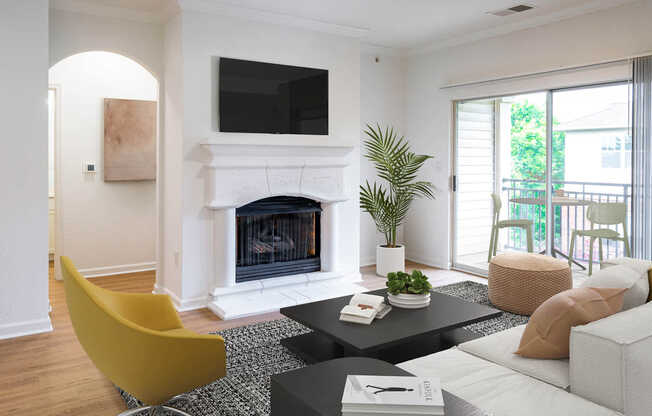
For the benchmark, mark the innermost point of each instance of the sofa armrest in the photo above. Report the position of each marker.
(611, 361)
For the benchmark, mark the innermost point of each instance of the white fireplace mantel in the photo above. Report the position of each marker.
(241, 173)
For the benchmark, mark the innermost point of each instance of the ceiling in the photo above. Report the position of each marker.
(392, 23)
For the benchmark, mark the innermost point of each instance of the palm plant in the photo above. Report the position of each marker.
(388, 203)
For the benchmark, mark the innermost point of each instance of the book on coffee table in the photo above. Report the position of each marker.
(398, 396)
(363, 308)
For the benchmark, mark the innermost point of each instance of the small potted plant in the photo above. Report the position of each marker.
(389, 200)
(410, 291)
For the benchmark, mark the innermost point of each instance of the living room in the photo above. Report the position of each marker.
(415, 136)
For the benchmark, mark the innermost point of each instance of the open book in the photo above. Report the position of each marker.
(363, 308)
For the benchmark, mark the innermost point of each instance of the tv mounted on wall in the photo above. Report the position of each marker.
(258, 97)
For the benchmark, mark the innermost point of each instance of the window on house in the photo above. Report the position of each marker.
(611, 152)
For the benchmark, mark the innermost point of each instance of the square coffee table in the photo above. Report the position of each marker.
(317, 390)
(402, 335)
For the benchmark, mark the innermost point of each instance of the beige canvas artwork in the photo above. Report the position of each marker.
(129, 140)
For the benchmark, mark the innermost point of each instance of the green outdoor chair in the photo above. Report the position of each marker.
(497, 224)
(602, 213)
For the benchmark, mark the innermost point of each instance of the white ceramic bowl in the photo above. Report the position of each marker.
(409, 301)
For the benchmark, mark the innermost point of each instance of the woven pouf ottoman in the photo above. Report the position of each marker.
(520, 282)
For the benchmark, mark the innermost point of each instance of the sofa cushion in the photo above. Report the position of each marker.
(632, 262)
(548, 332)
(498, 390)
(631, 276)
(499, 348)
(610, 361)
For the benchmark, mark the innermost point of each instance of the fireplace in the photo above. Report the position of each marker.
(277, 236)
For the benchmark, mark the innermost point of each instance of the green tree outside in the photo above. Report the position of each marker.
(528, 154)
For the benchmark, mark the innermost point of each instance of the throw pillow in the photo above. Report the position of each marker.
(547, 335)
(631, 276)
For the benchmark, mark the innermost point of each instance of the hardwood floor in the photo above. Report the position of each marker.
(49, 374)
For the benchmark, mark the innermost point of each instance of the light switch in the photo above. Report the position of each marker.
(89, 167)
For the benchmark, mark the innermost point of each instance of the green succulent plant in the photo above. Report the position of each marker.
(400, 282)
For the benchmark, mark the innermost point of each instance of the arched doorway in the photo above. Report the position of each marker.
(106, 226)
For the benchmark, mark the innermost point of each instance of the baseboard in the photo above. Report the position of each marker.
(427, 262)
(367, 261)
(183, 305)
(21, 329)
(118, 269)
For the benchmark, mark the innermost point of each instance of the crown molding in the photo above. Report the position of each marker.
(516, 26)
(380, 50)
(223, 8)
(93, 9)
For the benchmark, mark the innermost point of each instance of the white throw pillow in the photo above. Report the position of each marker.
(632, 277)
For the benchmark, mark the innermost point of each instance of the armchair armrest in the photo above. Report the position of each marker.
(148, 310)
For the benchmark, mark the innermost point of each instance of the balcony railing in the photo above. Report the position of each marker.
(567, 218)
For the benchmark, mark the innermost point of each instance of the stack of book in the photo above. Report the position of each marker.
(396, 396)
(364, 308)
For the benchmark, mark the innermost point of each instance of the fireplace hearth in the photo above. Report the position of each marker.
(277, 236)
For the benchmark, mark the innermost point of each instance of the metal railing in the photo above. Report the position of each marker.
(566, 218)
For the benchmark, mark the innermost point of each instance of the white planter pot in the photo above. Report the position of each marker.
(409, 301)
(389, 260)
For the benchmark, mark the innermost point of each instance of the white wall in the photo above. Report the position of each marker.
(108, 227)
(207, 36)
(597, 37)
(24, 168)
(72, 33)
(381, 101)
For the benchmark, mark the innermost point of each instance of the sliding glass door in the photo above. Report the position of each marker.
(500, 150)
(546, 157)
(594, 159)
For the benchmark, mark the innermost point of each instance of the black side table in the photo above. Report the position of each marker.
(317, 390)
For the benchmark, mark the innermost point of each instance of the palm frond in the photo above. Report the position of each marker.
(398, 166)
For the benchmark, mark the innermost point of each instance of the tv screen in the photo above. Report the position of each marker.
(257, 97)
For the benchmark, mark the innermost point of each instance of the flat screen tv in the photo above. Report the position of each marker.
(258, 97)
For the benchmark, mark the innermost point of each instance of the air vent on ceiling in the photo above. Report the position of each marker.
(512, 10)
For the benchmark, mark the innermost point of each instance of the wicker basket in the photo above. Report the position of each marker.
(520, 282)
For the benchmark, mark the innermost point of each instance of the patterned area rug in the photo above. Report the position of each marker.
(254, 354)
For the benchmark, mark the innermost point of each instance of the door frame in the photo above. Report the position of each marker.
(549, 132)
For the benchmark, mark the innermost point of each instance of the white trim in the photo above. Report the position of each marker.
(182, 305)
(21, 329)
(231, 10)
(430, 263)
(380, 50)
(516, 26)
(93, 9)
(117, 269)
(367, 261)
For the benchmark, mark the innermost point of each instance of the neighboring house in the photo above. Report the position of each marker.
(599, 146)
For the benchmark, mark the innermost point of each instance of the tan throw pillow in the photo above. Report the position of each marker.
(547, 335)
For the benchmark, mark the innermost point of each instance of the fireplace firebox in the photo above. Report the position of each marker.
(277, 236)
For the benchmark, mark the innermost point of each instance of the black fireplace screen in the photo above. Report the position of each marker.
(276, 237)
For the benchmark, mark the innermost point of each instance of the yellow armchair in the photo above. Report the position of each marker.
(138, 341)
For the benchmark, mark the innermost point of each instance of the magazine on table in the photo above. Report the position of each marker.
(392, 395)
(364, 308)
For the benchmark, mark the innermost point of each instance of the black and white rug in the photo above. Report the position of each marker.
(254, 354)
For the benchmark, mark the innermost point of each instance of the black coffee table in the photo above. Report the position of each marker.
(317, 390)
(402, 335)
